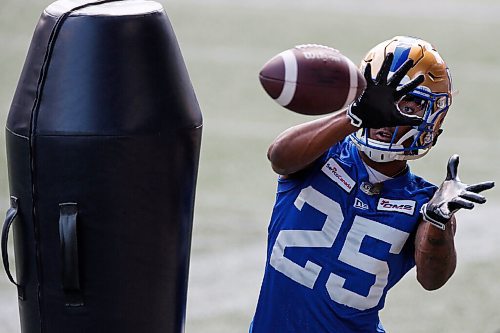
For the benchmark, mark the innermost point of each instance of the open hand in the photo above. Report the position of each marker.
(377, 105)
(453, 195)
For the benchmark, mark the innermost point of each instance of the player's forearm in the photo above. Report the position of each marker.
(299, 146)
(435, 254)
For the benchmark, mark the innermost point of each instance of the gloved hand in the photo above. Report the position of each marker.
(451, 196)
(377, 105)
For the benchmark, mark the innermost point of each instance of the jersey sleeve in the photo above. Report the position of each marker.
(425, 191)
(409, 254)
(287, 183)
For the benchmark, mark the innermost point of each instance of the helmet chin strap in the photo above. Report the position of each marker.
(376, 155)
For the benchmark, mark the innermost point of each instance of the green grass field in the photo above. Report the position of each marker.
(224, 44)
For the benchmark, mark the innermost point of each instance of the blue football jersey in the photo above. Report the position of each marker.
(336, 245)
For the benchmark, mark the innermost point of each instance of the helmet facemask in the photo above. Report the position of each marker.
(417, 141)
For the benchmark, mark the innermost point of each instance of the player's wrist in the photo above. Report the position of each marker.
(435, 219)
(354, 119)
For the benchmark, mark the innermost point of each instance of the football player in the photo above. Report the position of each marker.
(350, 218)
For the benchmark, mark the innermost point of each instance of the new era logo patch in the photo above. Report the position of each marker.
(333, 170)
(360, 204)
(399, 206)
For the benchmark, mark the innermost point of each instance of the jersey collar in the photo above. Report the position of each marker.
(397, 182)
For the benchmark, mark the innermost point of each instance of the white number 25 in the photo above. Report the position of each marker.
(350, 253)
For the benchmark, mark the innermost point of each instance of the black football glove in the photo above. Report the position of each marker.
(377, 105)
(451, 196)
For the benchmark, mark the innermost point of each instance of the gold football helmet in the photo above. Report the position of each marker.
(434, 94)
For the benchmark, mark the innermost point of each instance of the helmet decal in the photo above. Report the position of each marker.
(400, 56)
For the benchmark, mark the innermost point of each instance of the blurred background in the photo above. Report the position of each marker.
(225, 43)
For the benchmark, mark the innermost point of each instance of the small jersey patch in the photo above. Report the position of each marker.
(360, 204)
(399, 206)
(333, 170)
(371, 189)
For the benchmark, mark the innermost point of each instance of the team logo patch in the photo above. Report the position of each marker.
(333, 170)
(371, 189)
(360, 204)
(399, 206)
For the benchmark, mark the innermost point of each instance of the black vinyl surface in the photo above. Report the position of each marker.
(103, 141)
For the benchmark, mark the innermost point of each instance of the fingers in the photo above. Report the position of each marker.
(458, 202)
(452, 168)
(479, 187)
(474, 197)
(400, 73)
(384, 70)
(409, 87)
(465, 200)
(368, 74)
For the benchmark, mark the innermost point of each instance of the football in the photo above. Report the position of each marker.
(312, 79)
